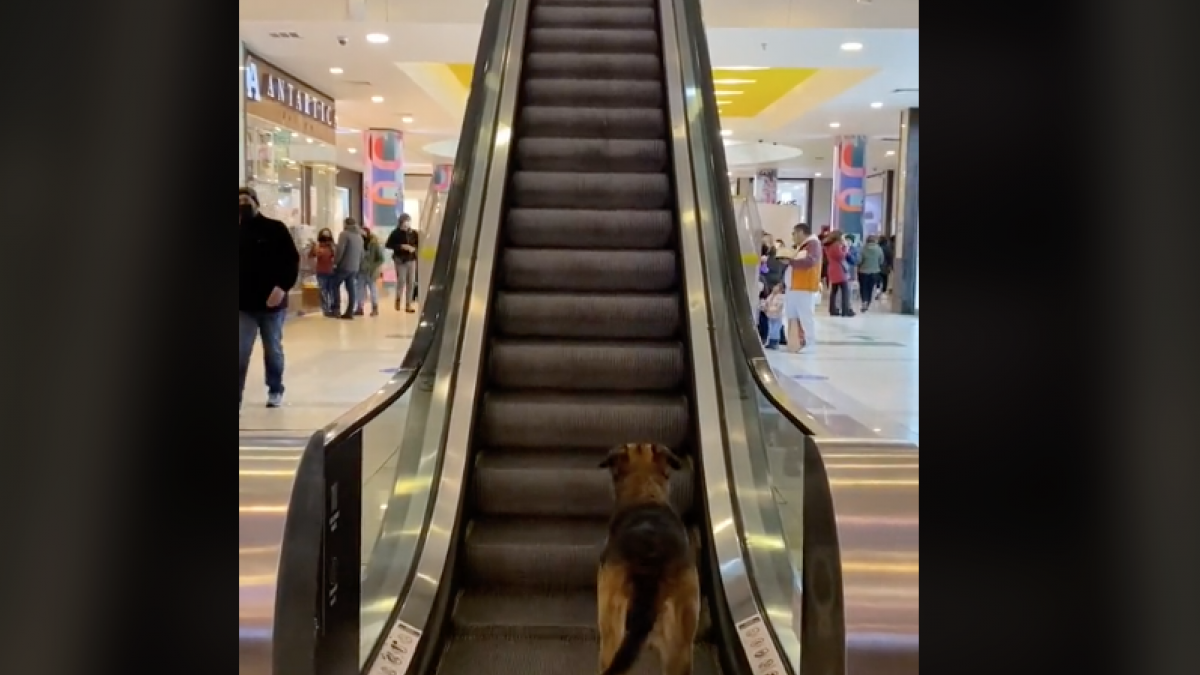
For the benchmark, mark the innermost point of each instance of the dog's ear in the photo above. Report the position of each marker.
(614, 455)
(666, 455)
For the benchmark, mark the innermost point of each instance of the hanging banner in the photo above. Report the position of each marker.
(766, 186)
(383, 179)
(849, 182)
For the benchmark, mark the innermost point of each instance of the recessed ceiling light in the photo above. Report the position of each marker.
(877, 104)
(733, 81)
(309, 140)
(835, 125)
(726, 93)
(846, 46)
(377, 38)
(890, 153)
(817, 174)
(721, 103)
(407, 119)
(741, 68)
(726, 132)
(336, 71)
(353, 150)
(377, 99)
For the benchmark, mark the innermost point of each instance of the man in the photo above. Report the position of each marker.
(368, 273)
(402, 242)
(804, 281)
(347, 261)
(268, 265)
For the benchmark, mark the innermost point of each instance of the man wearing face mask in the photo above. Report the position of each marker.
(268, 265)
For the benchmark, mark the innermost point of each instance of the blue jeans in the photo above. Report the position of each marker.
(350, 280)
(367, 288)
(328, 285)
(270, 326)
(774, 331)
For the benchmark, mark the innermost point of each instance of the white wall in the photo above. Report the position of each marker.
(779, 219)
(822, 213)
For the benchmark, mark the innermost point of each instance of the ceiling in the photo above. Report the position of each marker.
(780, 63)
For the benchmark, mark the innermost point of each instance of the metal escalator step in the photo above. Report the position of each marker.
(549, 16)
(595, 3)
(587, 40)
(592, 316)
(592, 154)
(552, 189)
(587, 366)
(542, 554)
(556, 483)
(547, 656)
(576, 66)
(519, 613)
(597, 121)
(597, 229)
(585, 421)
(542, 269)
(645, 96)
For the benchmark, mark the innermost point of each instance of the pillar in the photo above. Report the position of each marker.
(849, 184)
(766, 186)
(383, 177)
(908, 212)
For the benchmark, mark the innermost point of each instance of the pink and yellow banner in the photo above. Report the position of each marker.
(383, 177)
(849, 184)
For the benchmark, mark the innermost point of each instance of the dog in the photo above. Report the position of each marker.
(648, 587)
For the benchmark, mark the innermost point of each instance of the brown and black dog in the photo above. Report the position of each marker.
(648, 588)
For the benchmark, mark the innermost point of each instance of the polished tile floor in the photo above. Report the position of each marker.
(331, 365)
(863, 377)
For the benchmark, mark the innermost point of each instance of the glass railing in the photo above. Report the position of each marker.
(782, 496)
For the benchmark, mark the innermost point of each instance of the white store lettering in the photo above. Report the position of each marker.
(286, 93)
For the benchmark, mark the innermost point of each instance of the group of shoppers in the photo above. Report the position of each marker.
(269, 267)
(791, 281)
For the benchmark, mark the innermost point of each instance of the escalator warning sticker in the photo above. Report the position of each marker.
(395, 656)
(759, 648)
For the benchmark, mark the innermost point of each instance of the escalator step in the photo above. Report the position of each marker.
(620, 118)
(500, 656)
(591, 154)
(593, 41)
(587, 366)
(593, 229)
(520, 614)
(587, 421)
(550, 16)
(595, 3)
(591, 316)
(540, 269)
(587, 67)
(556, 483)
(552, 189)
(519, 553)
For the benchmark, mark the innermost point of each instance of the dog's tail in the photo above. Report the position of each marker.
(639, 621)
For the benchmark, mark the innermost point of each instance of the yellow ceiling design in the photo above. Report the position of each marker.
(741, 92)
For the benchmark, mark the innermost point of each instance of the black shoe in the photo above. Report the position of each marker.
(346, 317)
(358, 312)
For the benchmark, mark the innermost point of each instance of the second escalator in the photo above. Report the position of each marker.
(587, 342)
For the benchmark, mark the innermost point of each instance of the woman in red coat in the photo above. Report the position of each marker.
(839, 276)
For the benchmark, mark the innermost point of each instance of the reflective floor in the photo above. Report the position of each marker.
(863, 378)
(331, 365)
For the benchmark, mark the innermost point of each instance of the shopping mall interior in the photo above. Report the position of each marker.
(606, 197)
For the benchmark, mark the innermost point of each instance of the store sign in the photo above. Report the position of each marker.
(266, 83)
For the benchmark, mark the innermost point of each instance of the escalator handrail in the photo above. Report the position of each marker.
(433, 305)
(751, 344)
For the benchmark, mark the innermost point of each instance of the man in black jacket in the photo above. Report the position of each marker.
(402, 242)
(268, 264)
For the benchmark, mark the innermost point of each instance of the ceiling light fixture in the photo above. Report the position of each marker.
(407, 119)
(835, 125)
(336, 71)
(726, 132)
(817, 174)
(377, 99)
(295, 134)
(890, 153)
(742, 68)
(721, 103)
(846, 46)
(309, 140)
(377, 38)
(352, 150)
(877, 104)
(733, 81)
(727, 93)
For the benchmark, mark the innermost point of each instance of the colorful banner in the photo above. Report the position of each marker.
(440, 180)
(383, 177)
(766, 186)
(849, 179)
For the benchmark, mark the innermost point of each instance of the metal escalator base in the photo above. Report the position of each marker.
(587, 345)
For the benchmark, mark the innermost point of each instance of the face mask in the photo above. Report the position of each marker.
(245, 211)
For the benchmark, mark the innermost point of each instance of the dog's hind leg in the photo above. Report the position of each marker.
(680, 620)
(612, 605)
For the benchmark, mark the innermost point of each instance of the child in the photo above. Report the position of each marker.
(773, 308)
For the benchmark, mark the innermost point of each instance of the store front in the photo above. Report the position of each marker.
(290, 156)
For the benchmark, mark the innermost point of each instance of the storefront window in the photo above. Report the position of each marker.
(295, 175)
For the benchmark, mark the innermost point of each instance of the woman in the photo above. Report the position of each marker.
(870, 269)
(324, 253)
(839, 275)
(368, 272)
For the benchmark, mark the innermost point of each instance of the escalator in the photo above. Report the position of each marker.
(586, 343)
